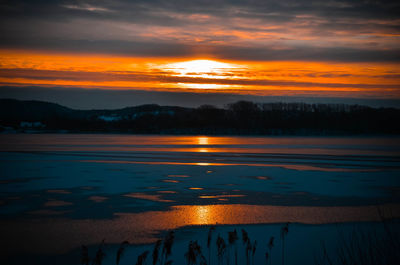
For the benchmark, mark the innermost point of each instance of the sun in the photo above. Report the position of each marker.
(201, 73)
(202, 140)
(200, 68)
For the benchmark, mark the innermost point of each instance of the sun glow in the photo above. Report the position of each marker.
(203, 86)
(202, 140)
(202, 164)
(201, 68)
(21, 68)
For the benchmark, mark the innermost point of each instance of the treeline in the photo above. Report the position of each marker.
(240, 118)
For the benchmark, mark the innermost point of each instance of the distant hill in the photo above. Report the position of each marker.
(240, 118)
(11, 109)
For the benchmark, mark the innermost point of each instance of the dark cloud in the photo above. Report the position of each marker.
(340, 54)
(245, 30)
(171, 49)
(250, 8)
(120, 47)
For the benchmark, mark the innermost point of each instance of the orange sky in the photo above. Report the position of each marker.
(330, 79)
(346, 49)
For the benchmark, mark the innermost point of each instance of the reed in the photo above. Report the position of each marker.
(358, 247)
(85, 255)
(194, 254)
(284, 232)
(142, 258)
(248, 250)
(232, 238)
(270, 246)
(253, 251)
(98, 260)
(121, 251)
(245, 236)
(209, 238)
(221, 247)
(364, 247)
(247, 245)
(156, 251)
(168, 242)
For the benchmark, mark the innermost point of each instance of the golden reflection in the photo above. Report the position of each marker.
(97, 198)
(149, 143)
(203, 214)
(167, 191)
(170, 181)
(141, 227)
(221, 196)
(149, 197)
(178, 176)
(59, 191)
(56, 203)
(203, 141)
(286, 166)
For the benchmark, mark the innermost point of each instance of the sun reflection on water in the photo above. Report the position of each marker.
(203, 141)
(203, 215)
(141, 227)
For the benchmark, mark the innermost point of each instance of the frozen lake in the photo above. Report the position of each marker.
(59, 191)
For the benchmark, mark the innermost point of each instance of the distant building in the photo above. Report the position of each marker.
(33, 124)
(110, 118)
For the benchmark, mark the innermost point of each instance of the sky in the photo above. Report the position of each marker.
(117, 53)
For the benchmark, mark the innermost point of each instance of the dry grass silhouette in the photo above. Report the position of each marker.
(98, 260)
(253, 250)
(168, 242)
(85, 255)
(194, 254)
(232, 238)
(142, 258)
(247, 245)
(221, 246)
(284, 232)
(209, 238)
(268, 253)
(156, 251)
(358, 247)
(121, 251)
(364, 247)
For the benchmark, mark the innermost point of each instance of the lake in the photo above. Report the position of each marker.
(61, 191)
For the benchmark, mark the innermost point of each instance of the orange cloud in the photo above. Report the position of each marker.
(27, 68)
